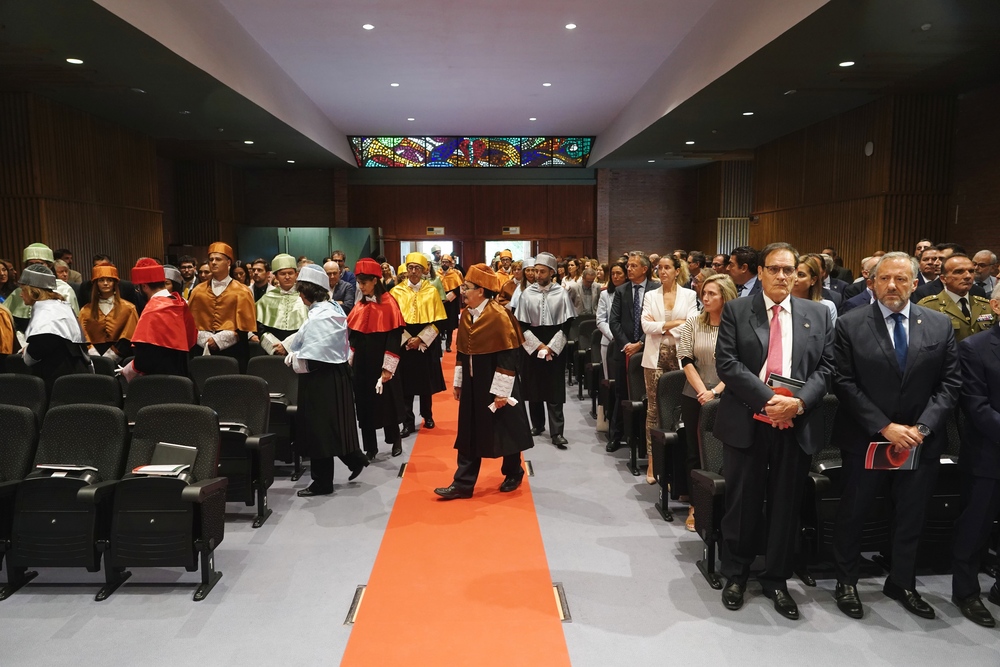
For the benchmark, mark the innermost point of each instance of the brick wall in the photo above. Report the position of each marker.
(975, 203)
(650, 210)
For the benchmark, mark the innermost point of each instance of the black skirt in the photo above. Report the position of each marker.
(326, 424)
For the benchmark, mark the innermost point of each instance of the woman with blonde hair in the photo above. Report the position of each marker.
(663, 309)
(696, 340)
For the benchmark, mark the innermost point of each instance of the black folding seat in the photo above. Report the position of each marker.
(593, 369)
(86, 389)
(147, 390)
(27, 391)
(63, 519)
(246, 455)
(668, 440)
(103, 366)
(573, 344)
(18, 437)
(283, 388)
(827, 458)
(15, 364)
(944, 506)
(204, 367)
(584, 340)
(708, 492)
(170, 521)
(634, 413)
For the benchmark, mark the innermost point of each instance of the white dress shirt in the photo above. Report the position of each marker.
(785, 320)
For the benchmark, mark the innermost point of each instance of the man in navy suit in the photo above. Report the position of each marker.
(742, 268)
(769, 333)
(897, 380)
(861, 284)
(629, 338)
(980, 465)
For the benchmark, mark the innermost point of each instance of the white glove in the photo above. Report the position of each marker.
(378, 386)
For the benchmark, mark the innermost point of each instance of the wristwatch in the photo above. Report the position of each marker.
(802, 407)
(923, 430)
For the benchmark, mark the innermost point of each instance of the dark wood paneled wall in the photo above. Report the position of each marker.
(72, 180)
(974, 215)
(817, 187)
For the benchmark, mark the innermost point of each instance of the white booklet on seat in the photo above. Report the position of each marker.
(65, 467)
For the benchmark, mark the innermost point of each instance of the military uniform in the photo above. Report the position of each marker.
(981, 316)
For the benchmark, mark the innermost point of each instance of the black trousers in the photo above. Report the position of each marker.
(321, 469)
(910, 491)
(468, 469)
(425, 409)
(774, 468)
(370, 443)
(536, 411)
(690, 411)
(981, 503)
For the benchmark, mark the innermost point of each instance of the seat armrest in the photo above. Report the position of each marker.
(660, 437)
(291, 410)
(714, 483)
(8, 489)
(260, 441)
(96, 493)
(822, 486)
(197, 492)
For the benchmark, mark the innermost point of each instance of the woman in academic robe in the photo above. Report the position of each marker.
(6, 332)
(376, 328)
(108, 321)
(56, 345)
(326, 422)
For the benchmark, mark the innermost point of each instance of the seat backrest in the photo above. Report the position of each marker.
(15, 364)
(26, 391)
(954, 445)
(636, 379)
(86, 388)
(18, 435)
(585, 338)
(595, 346)
(202, 368)
(190, 425)
(668, 399)
(830, 406)
(148, 390)
(279, 377)
(709, 446)
(103, 366)
(239, 398)
(93, 435)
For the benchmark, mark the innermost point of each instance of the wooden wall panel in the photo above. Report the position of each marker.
(289, 198)
(974, 214)
(708, 207)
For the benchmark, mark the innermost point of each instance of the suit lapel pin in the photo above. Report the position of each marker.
(806, 325)
(919, 321)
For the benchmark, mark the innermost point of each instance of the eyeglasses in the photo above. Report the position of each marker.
(787, 271)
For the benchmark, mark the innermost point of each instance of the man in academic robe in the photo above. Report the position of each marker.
(280, 312)
(166, 332)
(505, 271)
(451, 281)
(545, 313)
(223, 309)
(492, 422)
(6, 332)
(420, 358)
(37, 253)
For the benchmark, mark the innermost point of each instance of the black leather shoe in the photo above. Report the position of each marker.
(397, 447)
(371, 454)
(511, 483)
(848, 600)
(911, 600)
(309, 492)
(732, 595)
(406, 430)
(994, 595)
(357, 471)
(783, 603)
(612, 446)
(973, 609)
(428, 423)
(538, 430)
(452, 492)
(559, 441)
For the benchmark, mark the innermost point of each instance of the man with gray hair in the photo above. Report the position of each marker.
(986, 269)
(859, 293)
(340, 291)
(585, 293)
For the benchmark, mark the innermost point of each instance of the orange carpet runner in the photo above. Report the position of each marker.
(460, 582)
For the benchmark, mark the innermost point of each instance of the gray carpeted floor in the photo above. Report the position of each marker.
(634, 592)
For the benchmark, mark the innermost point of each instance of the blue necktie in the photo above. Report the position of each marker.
(636, 313)
(899, 340)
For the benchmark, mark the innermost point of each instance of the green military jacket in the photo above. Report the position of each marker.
(981, 315)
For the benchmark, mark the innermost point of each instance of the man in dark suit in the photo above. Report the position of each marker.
(865, 298)
(897, 379)
(742, 268)
(629, 338)
(861, 284)
(980, 465)
(932, 287)
(839, 271)
(769, 333)
(830, 283)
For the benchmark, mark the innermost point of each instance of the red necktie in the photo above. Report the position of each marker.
(774, 344)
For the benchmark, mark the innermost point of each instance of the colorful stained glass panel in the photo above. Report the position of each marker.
(471, 151)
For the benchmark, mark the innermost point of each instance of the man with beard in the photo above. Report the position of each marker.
(451, 282)
(545, 313)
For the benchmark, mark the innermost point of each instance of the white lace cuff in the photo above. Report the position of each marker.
(428, 334)
(557, 343)
(503, 384)
(531, 342)
(390, 362)
(457, 382)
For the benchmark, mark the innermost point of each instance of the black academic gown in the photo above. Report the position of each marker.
(376, 410)
(482, 433)
(544, 380)
(421, 372)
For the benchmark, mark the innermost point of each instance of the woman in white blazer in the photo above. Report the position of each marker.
(663, 309)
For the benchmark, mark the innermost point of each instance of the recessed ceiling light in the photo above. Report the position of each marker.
(394, 85)
(184, 113)
(411, 119)
(546, 84)
(571, 26)
(847, 63)
(368, 26)
(532, 118)
(748, 113)
(791, 92)
(689, 143)
(925, 27)
(248, 141)
(137, 90)
(291, 161)
(74, 61)
(650, 160)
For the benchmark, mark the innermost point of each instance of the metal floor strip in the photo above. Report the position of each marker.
(352, 613)
(531, 468)
(561, 603)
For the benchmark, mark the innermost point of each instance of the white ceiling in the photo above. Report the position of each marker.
(469, 66)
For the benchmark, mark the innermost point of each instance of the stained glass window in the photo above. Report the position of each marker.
(472, 151)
